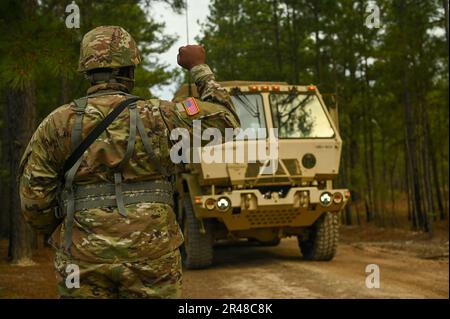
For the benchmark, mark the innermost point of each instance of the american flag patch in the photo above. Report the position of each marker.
(191, 107)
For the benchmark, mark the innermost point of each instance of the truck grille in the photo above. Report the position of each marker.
(279, 217)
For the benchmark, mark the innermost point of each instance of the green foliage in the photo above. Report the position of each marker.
(38, 47)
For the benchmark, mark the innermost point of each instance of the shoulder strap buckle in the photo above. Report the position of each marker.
(79, 110)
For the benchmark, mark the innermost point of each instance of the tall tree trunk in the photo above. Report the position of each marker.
(353, 159)
(443, 172)
(370, 213)
(20, 124)
(4, 179)
(428, 190)
(4, 212)
(428, 160)
(392, 191)
(344, 178)
(409, 189)
(411, 153)
(410, 132)
(371, 147)
(434, 171)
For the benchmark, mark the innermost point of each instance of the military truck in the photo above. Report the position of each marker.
(238, 201)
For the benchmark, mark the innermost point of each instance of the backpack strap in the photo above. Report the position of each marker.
(80, 107)
(96, 132)
(148, 148)
(74, 160)
(129, 152)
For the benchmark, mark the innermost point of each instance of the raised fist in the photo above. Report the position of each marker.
(190, 56)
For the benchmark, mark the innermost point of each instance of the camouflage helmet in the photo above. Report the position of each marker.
(108, 47)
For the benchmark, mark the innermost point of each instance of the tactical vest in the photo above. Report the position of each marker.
(75, 197)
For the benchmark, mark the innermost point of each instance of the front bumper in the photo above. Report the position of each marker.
(251, 209)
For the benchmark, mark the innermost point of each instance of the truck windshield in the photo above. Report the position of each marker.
(299, 116)
(250, 110)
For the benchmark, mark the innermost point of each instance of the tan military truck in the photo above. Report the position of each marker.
(227, 200)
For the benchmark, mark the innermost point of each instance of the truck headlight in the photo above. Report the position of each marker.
(210, 203)
(325, 199)
(223, 203)
(337, 198)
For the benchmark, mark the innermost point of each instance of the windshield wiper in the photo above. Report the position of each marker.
(248, 106)
(257, 113)
(258, 106)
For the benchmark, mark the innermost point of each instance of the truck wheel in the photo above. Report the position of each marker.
(323, 239)
(197, 250)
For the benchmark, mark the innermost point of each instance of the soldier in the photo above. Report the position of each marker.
(115, 195)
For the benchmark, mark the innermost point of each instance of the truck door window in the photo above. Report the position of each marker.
(299, 116)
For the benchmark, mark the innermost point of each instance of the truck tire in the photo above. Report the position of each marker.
(197, 250)
(322, 242)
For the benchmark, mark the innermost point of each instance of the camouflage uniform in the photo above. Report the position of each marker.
(134, 256)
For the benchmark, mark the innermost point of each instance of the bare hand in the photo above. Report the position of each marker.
(190, 56)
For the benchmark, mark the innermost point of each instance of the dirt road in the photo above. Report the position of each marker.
(243, 271)
(411, 266)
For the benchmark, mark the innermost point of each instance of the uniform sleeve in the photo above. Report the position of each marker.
(38, 177)
(209, 90)
(215, 107)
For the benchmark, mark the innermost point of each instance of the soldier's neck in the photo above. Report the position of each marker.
(107, 86)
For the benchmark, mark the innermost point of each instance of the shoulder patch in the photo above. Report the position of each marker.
(191, 107)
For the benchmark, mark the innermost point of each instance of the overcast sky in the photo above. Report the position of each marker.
(176, 25)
